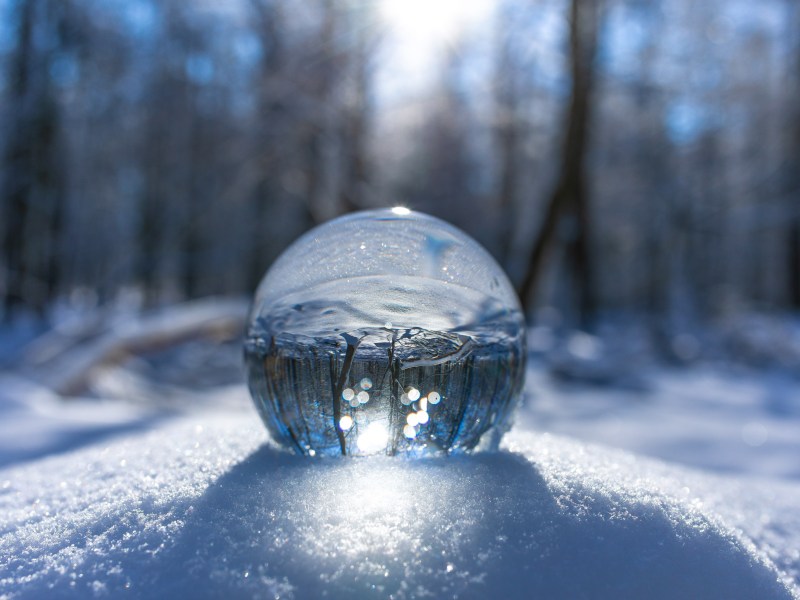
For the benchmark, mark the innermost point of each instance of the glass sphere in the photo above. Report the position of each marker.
(385, 332)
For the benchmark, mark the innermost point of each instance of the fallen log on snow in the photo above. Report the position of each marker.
(68, 372)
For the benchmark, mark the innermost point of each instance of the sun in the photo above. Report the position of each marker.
(431, 21)
(416, 33)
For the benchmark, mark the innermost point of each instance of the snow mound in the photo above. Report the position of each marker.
(204, 506)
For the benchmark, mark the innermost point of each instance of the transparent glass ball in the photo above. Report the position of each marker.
(385, 332)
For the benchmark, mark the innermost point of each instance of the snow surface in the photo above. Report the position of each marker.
(202, 506)
(716, 418)
(35, 422)
(184, 495)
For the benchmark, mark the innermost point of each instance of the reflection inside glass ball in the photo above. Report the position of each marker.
(385, 332)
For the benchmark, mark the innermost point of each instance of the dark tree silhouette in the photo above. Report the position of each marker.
(33, 183)
(508, 137)
(568, 205)
(793, 170)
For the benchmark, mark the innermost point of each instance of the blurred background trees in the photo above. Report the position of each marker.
(617, 156)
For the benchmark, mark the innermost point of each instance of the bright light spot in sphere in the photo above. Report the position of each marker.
(374, 438)
(348, 394)
(346, 422)
(401, 211)
(366, 383)
(363, 397)
(434, 397)
(413, 394)
(354, 403)
(405, 400)
(410, 432)
(423, 404)
(412, 419)
(422, 417)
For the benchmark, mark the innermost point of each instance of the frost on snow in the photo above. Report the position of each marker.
(205, 506)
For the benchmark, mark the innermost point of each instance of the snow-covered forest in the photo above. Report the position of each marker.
(171, 150)
(634, 166)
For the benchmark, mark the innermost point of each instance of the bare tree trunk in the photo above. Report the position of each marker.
(569, 196)
(149, 232)
(17, 176)
(273, 112)
(793, 184)
(794, 264)
(320, 174)
(355, 131)
(507, 135)
(33, 187)
(507, 145)
(191, 244)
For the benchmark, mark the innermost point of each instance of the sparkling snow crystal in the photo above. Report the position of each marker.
(202, 507)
